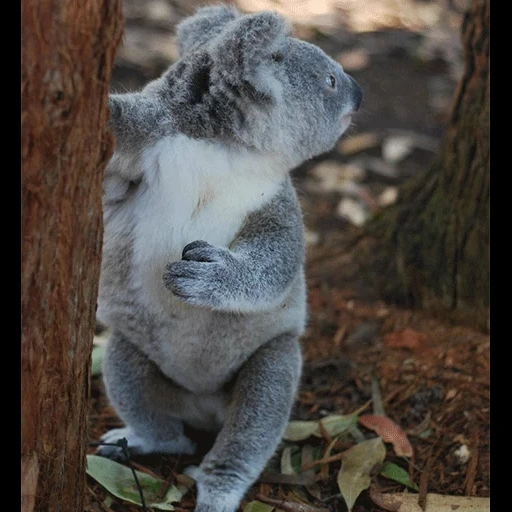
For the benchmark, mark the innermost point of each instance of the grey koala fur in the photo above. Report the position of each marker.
(202, 280)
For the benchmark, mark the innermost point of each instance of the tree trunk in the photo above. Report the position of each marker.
(433, 246)
(68, 50)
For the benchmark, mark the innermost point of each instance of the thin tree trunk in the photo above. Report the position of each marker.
(433, 246)
(68, 50)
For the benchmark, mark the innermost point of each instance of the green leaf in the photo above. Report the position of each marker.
(398, 474)
(98, 351)
(426, 433)
(354, 475)
(286, 461)
(334, 425)
(258, 506)
(118, 480)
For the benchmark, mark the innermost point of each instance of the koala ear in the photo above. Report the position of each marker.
(203, 26)
(242, 53)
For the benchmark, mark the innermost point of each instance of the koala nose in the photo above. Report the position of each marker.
(357, 93)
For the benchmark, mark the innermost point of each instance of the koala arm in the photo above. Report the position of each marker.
(255, 272)
(136, 120)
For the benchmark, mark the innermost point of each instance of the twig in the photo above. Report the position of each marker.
(289, 506)
(326, 460)
(123, 444)
(378, 407)
(278, 478)
(472, 466)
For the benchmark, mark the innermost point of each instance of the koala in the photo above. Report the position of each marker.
(202, 279)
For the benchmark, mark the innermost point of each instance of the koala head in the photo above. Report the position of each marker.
(243, 80)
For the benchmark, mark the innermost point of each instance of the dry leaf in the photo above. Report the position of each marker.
(286, 461)
(382, 501)
(333, 425)
(258, 506)
(408, 502)
(308, 457)
(405, 339)
(389, 431)
(271, 477)
(387, 197)
(353, 211)
(358, 462)
(377, 166)
(357, 143)
(396, 148)
(331, 176)
(289, 506)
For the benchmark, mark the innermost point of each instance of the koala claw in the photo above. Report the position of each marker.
(193, 245)
(204, 252)
(201, 276)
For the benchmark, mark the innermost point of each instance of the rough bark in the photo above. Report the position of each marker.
(68, 50)
(433, 246)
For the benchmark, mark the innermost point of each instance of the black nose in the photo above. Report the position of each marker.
(357, 93)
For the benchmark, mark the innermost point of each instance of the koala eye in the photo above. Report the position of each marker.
(277, 56)
(331, 81)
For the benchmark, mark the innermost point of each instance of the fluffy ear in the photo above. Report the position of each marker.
(203, 26)
(242, 54)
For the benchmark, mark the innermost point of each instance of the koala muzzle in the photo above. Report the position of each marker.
(357, 93)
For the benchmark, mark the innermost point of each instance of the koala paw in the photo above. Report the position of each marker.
(202, 276)
(113, 436)
(138, 445)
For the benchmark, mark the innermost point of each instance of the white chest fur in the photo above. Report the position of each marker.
(195, 190)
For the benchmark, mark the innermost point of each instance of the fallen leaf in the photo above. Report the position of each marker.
(258, 506)
(333, 425)
(380, 499)
(271, 477)
(353, 211)
(331, 176)
(97, 359)
(289, 506)
(357, 143)
(377, 166)
(389, 431)
(286, 461)
(408, 502)
(396, 148)
(354, 475)
(308, 456)
(407, 338)
(393, 472)
(421, 427)
(119, 481)
(387, 197)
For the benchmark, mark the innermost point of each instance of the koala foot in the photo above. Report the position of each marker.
(215, 493)
(139, 445)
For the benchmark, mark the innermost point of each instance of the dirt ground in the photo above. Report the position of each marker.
(433, 377)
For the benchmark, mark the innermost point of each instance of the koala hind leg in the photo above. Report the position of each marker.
(137, 389)
(255, 422)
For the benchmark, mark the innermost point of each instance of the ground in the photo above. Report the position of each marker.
(433, 377)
